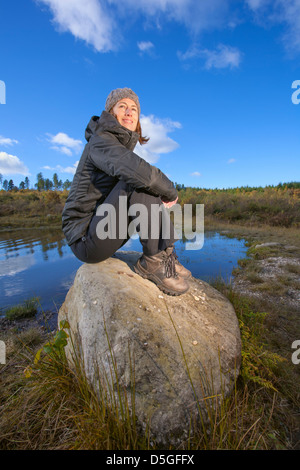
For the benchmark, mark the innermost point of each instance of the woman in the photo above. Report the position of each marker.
(108, 173)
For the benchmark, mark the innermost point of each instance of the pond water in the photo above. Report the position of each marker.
(40, 263)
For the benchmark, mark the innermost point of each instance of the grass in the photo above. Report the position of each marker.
(277, 207)
(48, 404)
(293, 268)
(31, 209)
(25, 310)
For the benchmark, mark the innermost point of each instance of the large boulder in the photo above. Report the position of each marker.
(183, 348)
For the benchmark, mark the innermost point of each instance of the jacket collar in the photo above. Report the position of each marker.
(108, 123)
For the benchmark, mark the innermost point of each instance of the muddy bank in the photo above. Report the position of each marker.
(271, 277)
(44, 321)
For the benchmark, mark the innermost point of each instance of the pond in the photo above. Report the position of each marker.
(39, 263)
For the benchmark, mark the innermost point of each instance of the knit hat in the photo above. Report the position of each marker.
(119, 94)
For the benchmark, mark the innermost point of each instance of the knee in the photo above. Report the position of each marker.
(143, 197)
(123, 188)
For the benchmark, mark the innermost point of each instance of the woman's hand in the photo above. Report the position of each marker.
(169, 204)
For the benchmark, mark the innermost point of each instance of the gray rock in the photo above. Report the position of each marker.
(183, 348)
(262, 245)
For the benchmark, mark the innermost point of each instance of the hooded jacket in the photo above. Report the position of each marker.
(107, 158)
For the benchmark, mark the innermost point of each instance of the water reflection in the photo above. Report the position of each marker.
(40, 263)
(44, 240)
(218, 256)
(35, 263)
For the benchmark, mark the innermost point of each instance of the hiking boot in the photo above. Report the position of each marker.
(161, 270)
(180, 269)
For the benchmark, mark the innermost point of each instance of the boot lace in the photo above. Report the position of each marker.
(169, 262)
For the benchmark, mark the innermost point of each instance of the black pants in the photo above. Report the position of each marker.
(92, 249)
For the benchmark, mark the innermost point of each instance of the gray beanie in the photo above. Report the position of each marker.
(119, 94)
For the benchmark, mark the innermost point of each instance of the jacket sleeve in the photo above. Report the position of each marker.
(110, 156)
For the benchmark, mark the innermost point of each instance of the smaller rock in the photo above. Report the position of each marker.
(262, 245)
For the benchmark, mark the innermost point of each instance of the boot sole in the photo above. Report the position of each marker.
(159, 284)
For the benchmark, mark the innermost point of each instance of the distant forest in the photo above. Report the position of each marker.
(42, 184)
(46, 184)
(271, 205)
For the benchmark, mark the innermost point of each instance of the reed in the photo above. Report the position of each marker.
(47, 403)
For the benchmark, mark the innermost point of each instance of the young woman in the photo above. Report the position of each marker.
(109, 173)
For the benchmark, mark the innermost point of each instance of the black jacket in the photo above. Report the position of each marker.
(107, 158)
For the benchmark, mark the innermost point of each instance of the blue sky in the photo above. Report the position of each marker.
(214, 78)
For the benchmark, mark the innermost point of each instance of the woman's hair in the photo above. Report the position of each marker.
(142, 140)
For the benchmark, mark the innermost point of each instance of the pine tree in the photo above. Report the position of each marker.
(40, 185)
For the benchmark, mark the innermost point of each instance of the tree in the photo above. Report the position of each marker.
(48, 184)
(1, 178)
(56, 182)
(179, 187)
(22, 185)
(40, 185)
(5, 185)
(27, 182)
(67, 184)
(10, 185)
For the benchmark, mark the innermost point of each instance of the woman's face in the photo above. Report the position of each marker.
(126, 112)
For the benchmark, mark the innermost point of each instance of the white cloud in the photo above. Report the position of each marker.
(6, 141)
(145, 46)
(62, 149)
(69, 169)
(102, 23)
(157, 129)
(231, 160)
(191, 53)
(99, 23)
(64, 144)
(196, 173)
(195, 15)
(88, 20)
(222, 57)
(289, 13)
(12, 165)
(285, 12)
(257, 4)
